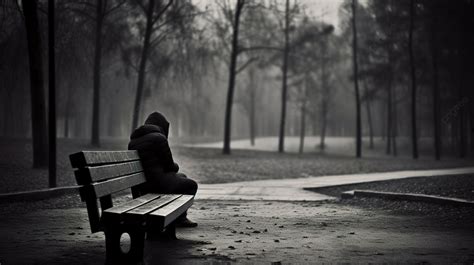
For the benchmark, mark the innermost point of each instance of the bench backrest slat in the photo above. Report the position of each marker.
(87, 175)
(107, 187)
(93, 158)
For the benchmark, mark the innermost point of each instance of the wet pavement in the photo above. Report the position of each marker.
(248, 232)
(252, 222)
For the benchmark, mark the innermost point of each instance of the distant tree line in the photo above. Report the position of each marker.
(392, 69)
(416, 59)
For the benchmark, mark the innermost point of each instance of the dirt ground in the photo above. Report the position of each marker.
(249, 232)
(457, 186)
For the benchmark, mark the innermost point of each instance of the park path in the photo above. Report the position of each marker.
(293, 189)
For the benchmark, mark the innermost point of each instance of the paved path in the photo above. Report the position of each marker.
(293, 189)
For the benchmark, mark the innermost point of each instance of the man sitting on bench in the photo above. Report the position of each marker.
(151, 142)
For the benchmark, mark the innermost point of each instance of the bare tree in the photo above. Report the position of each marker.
(52, 96)
(99, 20)
(303, 102)
(414, 137)
(324, 92)
(356, 81)
(389, 108)
(38, 108)
(368, 97)
(152, 16)
(435, 89)
(232, 74)
(286, 52)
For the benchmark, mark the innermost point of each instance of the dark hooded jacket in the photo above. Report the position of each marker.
(151, 142)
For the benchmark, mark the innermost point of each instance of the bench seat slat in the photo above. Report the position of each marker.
(92, 174)
(110, 186)
(88, 158)
(153, 205)
(168, 213)
(132, 204)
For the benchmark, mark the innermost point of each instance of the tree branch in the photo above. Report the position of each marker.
(114, 8)
(246, 64)
(140, 4)
(162, 11)
(255, 48)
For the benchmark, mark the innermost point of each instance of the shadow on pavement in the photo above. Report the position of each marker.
(180, 252)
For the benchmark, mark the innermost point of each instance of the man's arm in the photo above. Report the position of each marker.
(166, 156)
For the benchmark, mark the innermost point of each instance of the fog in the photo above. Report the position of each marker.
(188, 64)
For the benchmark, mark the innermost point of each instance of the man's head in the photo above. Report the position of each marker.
(159, 120)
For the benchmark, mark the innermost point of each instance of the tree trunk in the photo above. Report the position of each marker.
(95, 138)
(394, 124)
(9, 83)
(67, 111)
(143, 63)
(414, 136)
(252, 107)
(356, 81)
(66, 123)
(435, 91)
(284, 68)
(462, 72)
(462, 125)
(305, 94)
(38, 108)
(471, 123)
(324, 118)
(324, 95)
(389, 118)
(322, 143)
(52, 96)
(384, 123)
(232, 75)
(302, 125)
(314, 123)
(369, 117)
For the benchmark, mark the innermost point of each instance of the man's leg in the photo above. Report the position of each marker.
(186, 185)
(177, 183)
(189, 187)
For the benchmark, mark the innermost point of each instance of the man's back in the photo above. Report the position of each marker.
(151, 142)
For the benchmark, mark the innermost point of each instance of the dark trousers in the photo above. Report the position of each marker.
(172, 183)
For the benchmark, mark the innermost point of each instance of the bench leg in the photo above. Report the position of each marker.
(170, 231)
(114, 254)
(168, 234)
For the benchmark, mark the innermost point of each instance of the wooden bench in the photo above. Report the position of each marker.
(104, 173)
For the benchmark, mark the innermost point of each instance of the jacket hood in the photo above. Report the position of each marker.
(159, 120)
(146, 129)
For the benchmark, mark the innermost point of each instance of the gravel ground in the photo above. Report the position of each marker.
(206, 165)
(448, 216)
(448, 186)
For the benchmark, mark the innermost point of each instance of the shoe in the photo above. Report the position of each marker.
(186, 223)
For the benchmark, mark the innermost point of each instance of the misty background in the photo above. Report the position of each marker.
(117, 61)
